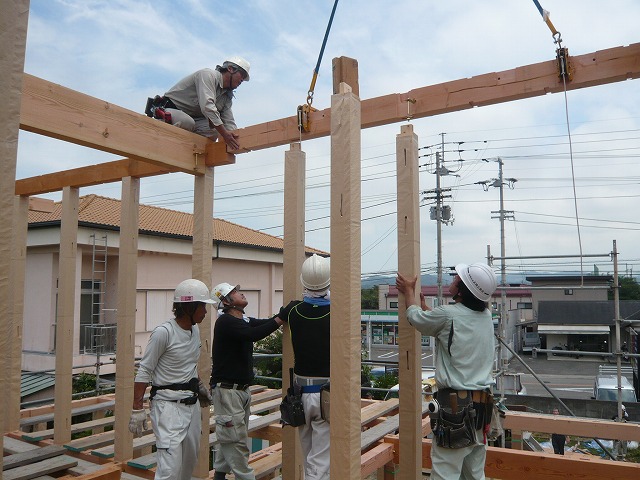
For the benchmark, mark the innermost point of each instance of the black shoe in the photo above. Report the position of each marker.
(220, 476)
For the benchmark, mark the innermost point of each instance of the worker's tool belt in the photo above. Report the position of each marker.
(291, 408)
(325, 395)
(460, 414)
(232, 386)
(156, 108)
(190, 385)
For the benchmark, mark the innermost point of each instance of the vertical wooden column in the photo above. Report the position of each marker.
(65, 314)
(409, 265)
(294, 198)
(14, 16)
(17, 276)
(201, 269)
(345, 284)
(126, 317)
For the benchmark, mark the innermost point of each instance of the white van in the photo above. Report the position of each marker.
(606, 388)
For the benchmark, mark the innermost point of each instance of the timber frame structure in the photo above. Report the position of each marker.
(154, 148)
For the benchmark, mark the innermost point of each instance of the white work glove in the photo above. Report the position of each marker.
(204, 395)
(138, 422)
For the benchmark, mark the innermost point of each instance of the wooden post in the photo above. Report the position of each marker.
(67, 260)
(201, 269)
(14, 16)
(17, 276)
(409, 265)
(345, 70)
(345, 284)
(294, 198)
(126, 306)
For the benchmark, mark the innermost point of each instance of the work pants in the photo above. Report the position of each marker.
(459, 463)
(230, 452)
(177, 429)
(199, 125)
(314, 439)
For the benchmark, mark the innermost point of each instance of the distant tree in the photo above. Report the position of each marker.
(271, 366)
(369, 298)
(629, 289)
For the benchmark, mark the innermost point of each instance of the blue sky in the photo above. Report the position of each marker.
(123, 51)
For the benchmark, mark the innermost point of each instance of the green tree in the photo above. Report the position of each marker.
(271, 366)
(629, 289)
(369, 298)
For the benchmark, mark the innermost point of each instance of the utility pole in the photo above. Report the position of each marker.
(502, 215)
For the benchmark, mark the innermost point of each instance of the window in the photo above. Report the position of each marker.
(393, 304)
(524, 305)
(568, 291)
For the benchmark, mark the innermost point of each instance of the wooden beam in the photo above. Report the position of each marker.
(597, 68)
(59, 112)
(583, 427)
(506, 464)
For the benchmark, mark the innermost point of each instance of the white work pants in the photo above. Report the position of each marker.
(458, 463)
(314, 439)
(177, 430)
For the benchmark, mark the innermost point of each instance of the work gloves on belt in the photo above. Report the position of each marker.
(138, 422)
(204, 395)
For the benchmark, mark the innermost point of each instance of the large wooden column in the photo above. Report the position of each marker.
(294, 198)
(14, 16)
(126, 318)
(201, 269)
(409, 265)
(345, 284)
(65, 314)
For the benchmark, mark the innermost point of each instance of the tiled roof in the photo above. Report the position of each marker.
(31, 383)
(97, 210)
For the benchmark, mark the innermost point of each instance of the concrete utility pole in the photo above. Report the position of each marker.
(502, 215)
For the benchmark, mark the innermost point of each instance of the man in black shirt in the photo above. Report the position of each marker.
(232, 355)
(309, 323)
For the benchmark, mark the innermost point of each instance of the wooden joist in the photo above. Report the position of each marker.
(75, 428)
(49, 417)
(44, 467)
(32, 456)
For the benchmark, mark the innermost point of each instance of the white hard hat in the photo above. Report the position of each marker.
(479, 279)
(191, 290)
(223, 289)
(316, 273)
(240, 63)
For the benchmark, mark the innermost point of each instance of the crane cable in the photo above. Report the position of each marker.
(306, 109)
(565, 73)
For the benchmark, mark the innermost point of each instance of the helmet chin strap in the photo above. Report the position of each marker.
(234, 307)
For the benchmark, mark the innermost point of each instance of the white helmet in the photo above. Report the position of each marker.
(316, 273)
(479, 279)
(238, 62)
(223, 289)
(191, 290)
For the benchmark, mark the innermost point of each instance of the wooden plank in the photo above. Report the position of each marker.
(375, 458)
(265, 396)
(38, 469)
(92, 442)
(583, 427)
(58, 112)
(376, 433)
(48, 417)
(378, 409)
(12, 446)
(32, 456)
(266, 406)
(105, 472)
(75, 428)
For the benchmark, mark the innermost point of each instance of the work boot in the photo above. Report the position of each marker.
(220, 476)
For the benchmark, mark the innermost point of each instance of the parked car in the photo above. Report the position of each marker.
(606, 388)
(428, 386)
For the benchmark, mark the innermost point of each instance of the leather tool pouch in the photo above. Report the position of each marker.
(325, 395)
(455, 430)
(291, 408)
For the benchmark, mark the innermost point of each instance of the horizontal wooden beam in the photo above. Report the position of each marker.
(59, 112)
(582, 427)
(507, 464)
(605, 66)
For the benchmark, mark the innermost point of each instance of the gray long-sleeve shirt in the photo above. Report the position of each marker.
(201, 95)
